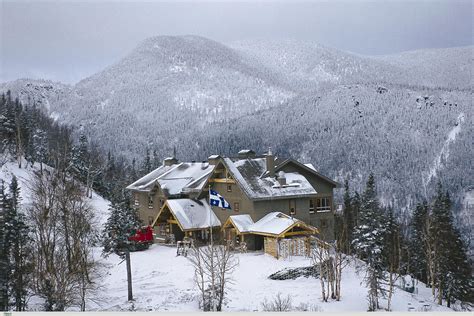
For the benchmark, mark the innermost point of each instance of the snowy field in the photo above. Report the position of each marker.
(163, 281)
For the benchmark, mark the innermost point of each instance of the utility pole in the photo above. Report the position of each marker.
(129, 275)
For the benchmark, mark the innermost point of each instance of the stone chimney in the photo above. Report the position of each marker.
(270, 163)
(281, 178)
(171, 160)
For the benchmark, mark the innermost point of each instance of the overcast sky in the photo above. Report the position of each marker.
(69, 40)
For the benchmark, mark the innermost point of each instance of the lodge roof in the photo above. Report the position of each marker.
(249, 171)
(254, 180)
(175, 179)
(272, 224)
(191, 214)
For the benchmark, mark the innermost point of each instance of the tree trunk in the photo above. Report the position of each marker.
(390, 291)
(129, 275)
(440, 294)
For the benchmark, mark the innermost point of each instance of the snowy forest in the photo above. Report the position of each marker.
(47, 244)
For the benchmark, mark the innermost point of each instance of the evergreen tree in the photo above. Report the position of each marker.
(348, 222)
(453, 272)
(156, 160)
(4, 251)
(20, 265)
(122, 223)
(391, 251)
(147, 163)
(40, 147)
(418, 239)
(368, 242)
(80, 158)
(355, 207)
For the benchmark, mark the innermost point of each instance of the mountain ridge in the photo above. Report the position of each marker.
(204, 97)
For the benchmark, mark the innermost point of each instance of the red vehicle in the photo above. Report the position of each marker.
(143, 238)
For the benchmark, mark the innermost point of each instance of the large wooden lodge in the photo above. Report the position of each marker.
(272, 200)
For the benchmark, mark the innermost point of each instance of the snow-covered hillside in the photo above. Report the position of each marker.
(25, 176)
(44, 93)
(444, 67)
(164, 282)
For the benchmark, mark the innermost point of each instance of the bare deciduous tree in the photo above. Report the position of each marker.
(213, 267)
(63, 232)
(278, 304)
(331, 261)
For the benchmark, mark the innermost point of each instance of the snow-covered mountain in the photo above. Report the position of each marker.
(345, 113)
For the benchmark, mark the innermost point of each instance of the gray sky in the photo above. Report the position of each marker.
(69, 40)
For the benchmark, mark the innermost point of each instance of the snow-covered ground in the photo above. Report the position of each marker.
(163, 281)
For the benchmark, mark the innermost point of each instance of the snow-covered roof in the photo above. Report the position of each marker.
(274, 223)
(193, 214)
(245, 151)
(144, 182)
(242, 222)
(176, 179)
(248, 173)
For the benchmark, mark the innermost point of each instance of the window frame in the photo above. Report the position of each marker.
(324, 207)
(311, 206)
(236, 207)
(136, 200)
(150, 202)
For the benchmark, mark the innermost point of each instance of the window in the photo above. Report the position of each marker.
(311, 207)
(229, 188)
(323, 204)
(292, 206)
(237, 207)
(150, 220)
(136, 202)
(150, 201)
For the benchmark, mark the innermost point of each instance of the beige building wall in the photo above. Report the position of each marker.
(147, 212)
